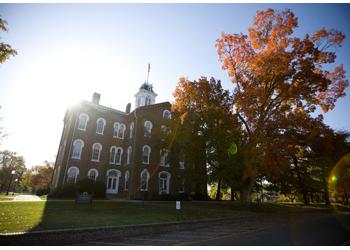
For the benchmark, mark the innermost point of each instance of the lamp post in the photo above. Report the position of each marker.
(8, 188)
(15, 187)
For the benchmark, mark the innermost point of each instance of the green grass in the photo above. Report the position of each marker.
(4, 197)
(28, 216)
(59, 214)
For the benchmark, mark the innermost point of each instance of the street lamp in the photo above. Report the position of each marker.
(8, 188)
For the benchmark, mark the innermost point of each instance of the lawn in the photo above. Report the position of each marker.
(4, 197)
(43, 215)
(29, 216)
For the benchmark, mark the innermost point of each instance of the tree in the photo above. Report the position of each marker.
(41, 178)
(205, 129)
(6, 50)
(277, 76)
(327, 149)
(5, 53)
(10, 161)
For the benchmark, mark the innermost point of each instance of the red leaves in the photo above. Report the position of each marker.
(334, 91)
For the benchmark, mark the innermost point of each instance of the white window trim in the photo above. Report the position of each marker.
(118, 180)
(121, 156)
(77, 173)
(87, 119)
(116, 129)
(181, 164)
(103, 128)
(149, 154)
(131, 130)
(99, 154)
(93, 170)
(165, 155)
(168, 182)
(81, 148)
(115, 154)
(121, 126)
(146, 134)
(166, 111)
(148, 176)
(129, 152)
(127, 172)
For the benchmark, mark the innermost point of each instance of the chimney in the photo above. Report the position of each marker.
(128, 107)
(96, 98)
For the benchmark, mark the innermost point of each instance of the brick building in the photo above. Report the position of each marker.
(123, 149)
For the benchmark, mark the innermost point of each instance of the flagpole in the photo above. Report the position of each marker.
(149, 67)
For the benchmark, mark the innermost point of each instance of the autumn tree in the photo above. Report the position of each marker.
(206, 127)
(6, 50)
(41, 178)
(277, 76)
(326, 150)
(10, 161)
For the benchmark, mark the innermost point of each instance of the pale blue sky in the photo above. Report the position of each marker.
(68, 51)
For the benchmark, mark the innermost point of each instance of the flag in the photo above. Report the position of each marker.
(149, 67)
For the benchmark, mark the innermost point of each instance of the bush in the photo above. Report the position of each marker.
(168, 197)
(97, 188)
(200, 197)
(42, 191)
(66, 191)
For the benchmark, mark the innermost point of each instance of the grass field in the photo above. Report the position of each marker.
(28, 216)
(4, 197)
(43, 215)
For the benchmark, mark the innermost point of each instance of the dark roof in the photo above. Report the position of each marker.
(147, 86)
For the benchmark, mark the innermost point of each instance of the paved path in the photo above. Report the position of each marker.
(27, 197)
(319, 229)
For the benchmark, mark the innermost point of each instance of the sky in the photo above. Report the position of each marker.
(68, 51)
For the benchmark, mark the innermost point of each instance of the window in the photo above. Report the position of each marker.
(77, 148)
(164, 182)
(72, 174)
(83, 119)
(126, 180)
(165, 130)
(96, 151)
(118, 158)
(131, 130)
(147, 129)
(146, 151)
(166, 114)
(121, 131)
(128, 160)
(113, 181)
(112, 154)
(144, 180)
(147, 101)
(164, 159)
(116, 128)
(182, 186)
(92, 174)
(182, 164)
(101, 123)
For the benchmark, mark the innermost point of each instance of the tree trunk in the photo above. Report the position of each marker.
(325, 187)
(246, 191)
(218, 191)
(232, 193)
(301, 182)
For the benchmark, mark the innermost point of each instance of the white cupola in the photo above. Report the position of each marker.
(145, 96)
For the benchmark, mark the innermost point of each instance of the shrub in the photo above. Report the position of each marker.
(42, 191)
(97, 188)
(66, 191)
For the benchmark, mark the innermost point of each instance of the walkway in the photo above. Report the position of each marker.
(27, 197)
